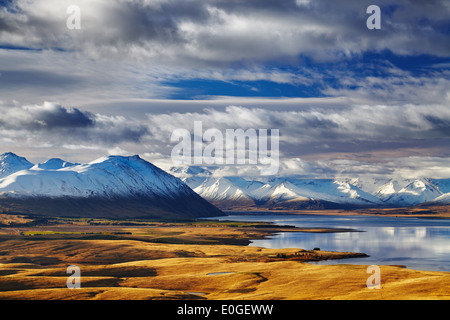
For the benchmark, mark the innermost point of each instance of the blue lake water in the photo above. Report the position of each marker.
(417, 243)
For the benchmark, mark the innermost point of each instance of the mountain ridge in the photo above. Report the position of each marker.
(112, 186)
(119, 186)
(324, 193)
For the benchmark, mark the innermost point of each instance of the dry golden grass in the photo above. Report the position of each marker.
(131, 267)
(7, 219)
(172, 271)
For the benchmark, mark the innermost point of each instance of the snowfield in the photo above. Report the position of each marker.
(284, 190)
(106, 177)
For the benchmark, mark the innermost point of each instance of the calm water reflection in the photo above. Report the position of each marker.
(422, 244)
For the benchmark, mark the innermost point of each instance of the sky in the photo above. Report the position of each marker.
(347, 100)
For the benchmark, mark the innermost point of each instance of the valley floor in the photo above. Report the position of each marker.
(187, 260)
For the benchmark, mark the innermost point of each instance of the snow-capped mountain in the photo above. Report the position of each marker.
(444, 186)
(10, 163)
(232, 192)
(55, 164)
(301, 193)
(443, 199)
(416, 192)
(109, 186)
(222, 189)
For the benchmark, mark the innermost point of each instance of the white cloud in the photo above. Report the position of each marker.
(396, 123)
(219, 32)
(396, 87)
(106, 76)
(377, 140)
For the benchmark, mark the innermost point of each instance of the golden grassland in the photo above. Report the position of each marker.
(188, 260)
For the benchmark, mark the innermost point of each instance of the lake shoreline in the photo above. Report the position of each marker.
(417, 243)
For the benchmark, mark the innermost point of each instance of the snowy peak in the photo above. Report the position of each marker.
(388, 189)
(106, 177)
(222, 189)
(416, 192)
(55, 164)
(11, 163)
(333, 191)
(284, 192)
(279, 191)
(118, 177)
(123, 186)
(418, 187)
(348, 192)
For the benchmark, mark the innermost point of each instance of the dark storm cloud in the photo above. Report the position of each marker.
(55, 124)
(439, 127)
(57, 116)
(47, 116)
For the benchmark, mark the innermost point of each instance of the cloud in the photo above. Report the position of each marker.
(326, 141)
(53, 124)
(45, 117)
(421, 166)
(217, 32)
(402, 167)
(69, 78)
(392, 85)
(376, 123)
(368, 107)
(53, 116)
(314, 48)
(314, 142)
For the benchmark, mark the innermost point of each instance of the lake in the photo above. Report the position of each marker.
(417, 243)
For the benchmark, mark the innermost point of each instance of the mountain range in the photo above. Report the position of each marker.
(113, 187)
(130, 187)
(293, 192)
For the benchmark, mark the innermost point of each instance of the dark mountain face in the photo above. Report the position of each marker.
(182, 207)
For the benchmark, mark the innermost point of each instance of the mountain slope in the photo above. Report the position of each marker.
(416, 192)
(10, 163)
(111, 186)
(292, 192)
(55, 164)
(232, 192)
(442, 184)
(441, 200)
(224, 192)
